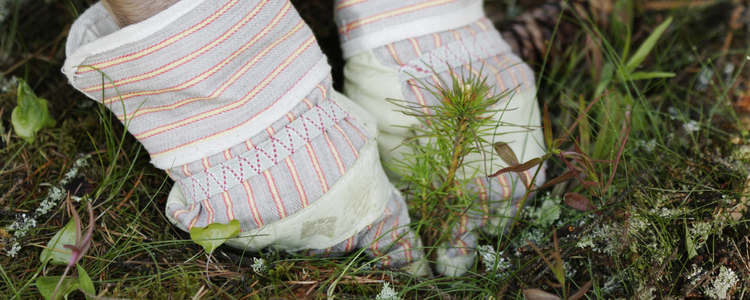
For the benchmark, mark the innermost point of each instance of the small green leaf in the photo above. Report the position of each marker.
(647, 45)
(47, 285)
(215, 234)
(547, 127)
(31, 114)
(622, 21)
(55, 252)
(650, 75)
(607, 72)
(84, 280)
(690, 244)
(580, 202)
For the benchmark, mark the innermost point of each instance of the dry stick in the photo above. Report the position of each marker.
(747, 266)
(130, 193)
(199, 293)
(663, 266)
(13, 188)
(250, 295)
(739, 254)
(734, 23)
(350, 279)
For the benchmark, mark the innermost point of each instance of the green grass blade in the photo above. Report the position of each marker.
(647, 45)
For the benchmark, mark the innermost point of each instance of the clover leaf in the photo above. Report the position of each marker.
(213, 235)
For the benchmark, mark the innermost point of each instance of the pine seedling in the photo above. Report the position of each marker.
(437, 172)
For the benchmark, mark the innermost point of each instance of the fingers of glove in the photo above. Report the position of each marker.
(389, 240)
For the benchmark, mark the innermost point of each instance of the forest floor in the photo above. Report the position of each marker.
(671, 225)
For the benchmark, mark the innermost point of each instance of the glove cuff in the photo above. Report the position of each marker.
(196, 79)
(366, 25)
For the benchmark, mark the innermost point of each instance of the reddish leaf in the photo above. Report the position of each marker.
(519, 168)
(589, 183)
(537, 294)
(553, 284)
(506, 153)
(581, 159)
(580, 202)
(572, 167)
(570, 154)
(579, 294)
(579, 170)
(562, 178)
(586, 164)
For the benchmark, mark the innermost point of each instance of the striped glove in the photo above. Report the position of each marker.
(233, 99)
(394, 48)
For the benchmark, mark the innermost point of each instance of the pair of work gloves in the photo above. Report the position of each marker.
(233, 99)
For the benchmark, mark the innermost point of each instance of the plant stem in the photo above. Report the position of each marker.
(60, 282)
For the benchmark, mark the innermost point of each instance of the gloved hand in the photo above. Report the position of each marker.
(233, 99)
(396, 48)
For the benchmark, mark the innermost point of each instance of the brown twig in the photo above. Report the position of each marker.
(130, 192)
(13, 188)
